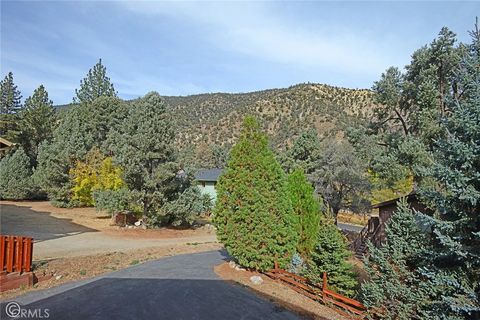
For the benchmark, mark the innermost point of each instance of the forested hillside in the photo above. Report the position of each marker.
(215, 118)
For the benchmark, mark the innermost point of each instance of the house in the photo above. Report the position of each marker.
(374, 231)
(5, 145)
(207, 180)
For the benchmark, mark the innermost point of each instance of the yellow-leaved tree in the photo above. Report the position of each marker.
(95, 173)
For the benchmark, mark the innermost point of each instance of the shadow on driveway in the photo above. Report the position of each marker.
(18, 220)
(120, 298)
(179, 287)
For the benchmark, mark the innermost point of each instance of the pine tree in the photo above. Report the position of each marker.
(304, 152)
(81, 128)
(38, 120)
(143, 146)
(409, 109)
(96, 84)
(454, 193)
(16, 176)
(394, 289)
(10, 105)
(253, 213)
(306, 210)
(330, 255)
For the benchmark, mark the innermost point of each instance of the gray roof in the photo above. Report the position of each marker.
(208, 174)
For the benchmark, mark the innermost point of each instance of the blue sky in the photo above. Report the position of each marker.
(180, 48)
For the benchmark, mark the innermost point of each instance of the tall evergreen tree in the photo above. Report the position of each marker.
(80, 129)
(95, 84)
(410, 108)
(143, 146)
(306, 210)
(38, 120)
(438, 278)
(253, 213)
(454, 193)
(10, 105)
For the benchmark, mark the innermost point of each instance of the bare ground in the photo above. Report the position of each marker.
(279, 293)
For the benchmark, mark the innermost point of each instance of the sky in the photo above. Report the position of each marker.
(182, 48)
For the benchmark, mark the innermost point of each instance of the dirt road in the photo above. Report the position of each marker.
(62, 232)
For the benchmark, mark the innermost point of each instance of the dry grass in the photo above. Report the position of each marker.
(353, 218)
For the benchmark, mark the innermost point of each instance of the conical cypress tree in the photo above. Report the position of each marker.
(306, 210)
(253, 213)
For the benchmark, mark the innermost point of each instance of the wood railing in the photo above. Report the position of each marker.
(317, 292)
(16, 253)
(361, 238)
(373, 231)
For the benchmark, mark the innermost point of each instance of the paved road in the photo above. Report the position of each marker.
(349, 227)
(181, 287)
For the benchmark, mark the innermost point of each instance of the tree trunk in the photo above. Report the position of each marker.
(335, 215)
(145, 208)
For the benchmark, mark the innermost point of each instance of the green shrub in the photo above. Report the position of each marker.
(330, 256)
(113, 201)
(253, 213)
(16, 181)
(189, 205)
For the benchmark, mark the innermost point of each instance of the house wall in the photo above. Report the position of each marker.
(386, 212)
(208, 187)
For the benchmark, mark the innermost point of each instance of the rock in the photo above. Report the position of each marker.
(256, 280)
(138, 223)
(232, 264)
(58, 277)
(238, 268)
(122, 219)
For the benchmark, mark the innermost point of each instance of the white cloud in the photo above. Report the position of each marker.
(255, 29)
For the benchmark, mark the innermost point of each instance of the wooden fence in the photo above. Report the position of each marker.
(16, 253)
(317, 292)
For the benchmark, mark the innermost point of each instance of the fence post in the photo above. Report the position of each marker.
(18, 253)
(276, 265)
(10, 253)
(324, 286)
(2, 251)
(28, 255)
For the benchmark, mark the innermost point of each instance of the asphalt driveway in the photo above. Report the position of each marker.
(57, 237)
(180, 287)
